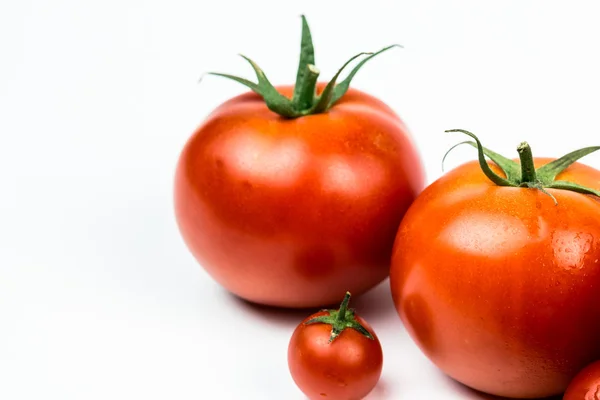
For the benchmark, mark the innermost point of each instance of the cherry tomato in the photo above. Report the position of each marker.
(335, 354)
(496, 272)
(288, 199)
(585, 385)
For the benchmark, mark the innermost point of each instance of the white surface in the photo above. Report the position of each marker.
(99, 298)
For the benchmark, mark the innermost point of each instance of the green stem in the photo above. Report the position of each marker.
(304, 100)
(343, 308)
(543, 178)
(528, 174)
(304, 96)
(341, 319)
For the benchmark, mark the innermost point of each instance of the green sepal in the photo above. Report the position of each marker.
(304, 100)
(538, 185)
(497, 179)
(574, 187)
(341, 319)
(548, 172)
(509, 167)
(527, 176)
(324, 100)
(343, 86)
(249, 84)
(362, 330)
(307, 59)
(275, 101)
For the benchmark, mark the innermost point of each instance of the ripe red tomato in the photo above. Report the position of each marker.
(498, 284)
(293, 211)
(335, 354)
(586, 385)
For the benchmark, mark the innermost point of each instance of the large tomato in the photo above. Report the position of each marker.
(496, 274)
(290, 196)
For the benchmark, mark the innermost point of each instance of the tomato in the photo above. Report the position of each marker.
(586, 384)
(295, 206)
(496, 272)
(335, 354)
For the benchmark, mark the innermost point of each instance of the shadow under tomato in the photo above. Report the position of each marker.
(284, 317)
(375, 306)
(380, 391)
(472, 394)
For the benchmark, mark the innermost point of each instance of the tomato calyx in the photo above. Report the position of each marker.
(341, 319)
(305, 100)
(524, 174)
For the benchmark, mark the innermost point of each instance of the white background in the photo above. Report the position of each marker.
(100, 299)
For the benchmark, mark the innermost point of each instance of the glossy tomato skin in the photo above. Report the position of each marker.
(294, 212)
(586, 385)
(498, 286)
(346, 369)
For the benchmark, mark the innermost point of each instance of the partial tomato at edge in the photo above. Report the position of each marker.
(335, 354)
(586, 385)
(500, 285)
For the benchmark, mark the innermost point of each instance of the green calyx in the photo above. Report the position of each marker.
(305, 100)
(341, 319)
(524, 174)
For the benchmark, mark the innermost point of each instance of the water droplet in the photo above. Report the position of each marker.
(571, 248)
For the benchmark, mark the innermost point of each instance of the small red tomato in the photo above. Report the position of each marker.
(334, 354)
(586, 384)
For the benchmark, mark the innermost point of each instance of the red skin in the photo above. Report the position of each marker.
(586, 385)
(499, 287)
(346, 369)
(294, 213)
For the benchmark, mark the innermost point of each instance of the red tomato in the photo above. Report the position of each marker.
(586, 385)
(334, 354)
(294, 211)
(498, 285)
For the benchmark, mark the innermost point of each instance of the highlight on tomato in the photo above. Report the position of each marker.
(496, 271)
(335, 354)
(290, 195)
(586, 384)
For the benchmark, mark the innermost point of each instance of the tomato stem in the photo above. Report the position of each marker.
(304, 101)
(341, 319)
(524, 174)
(343, 307)
(528, 174)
